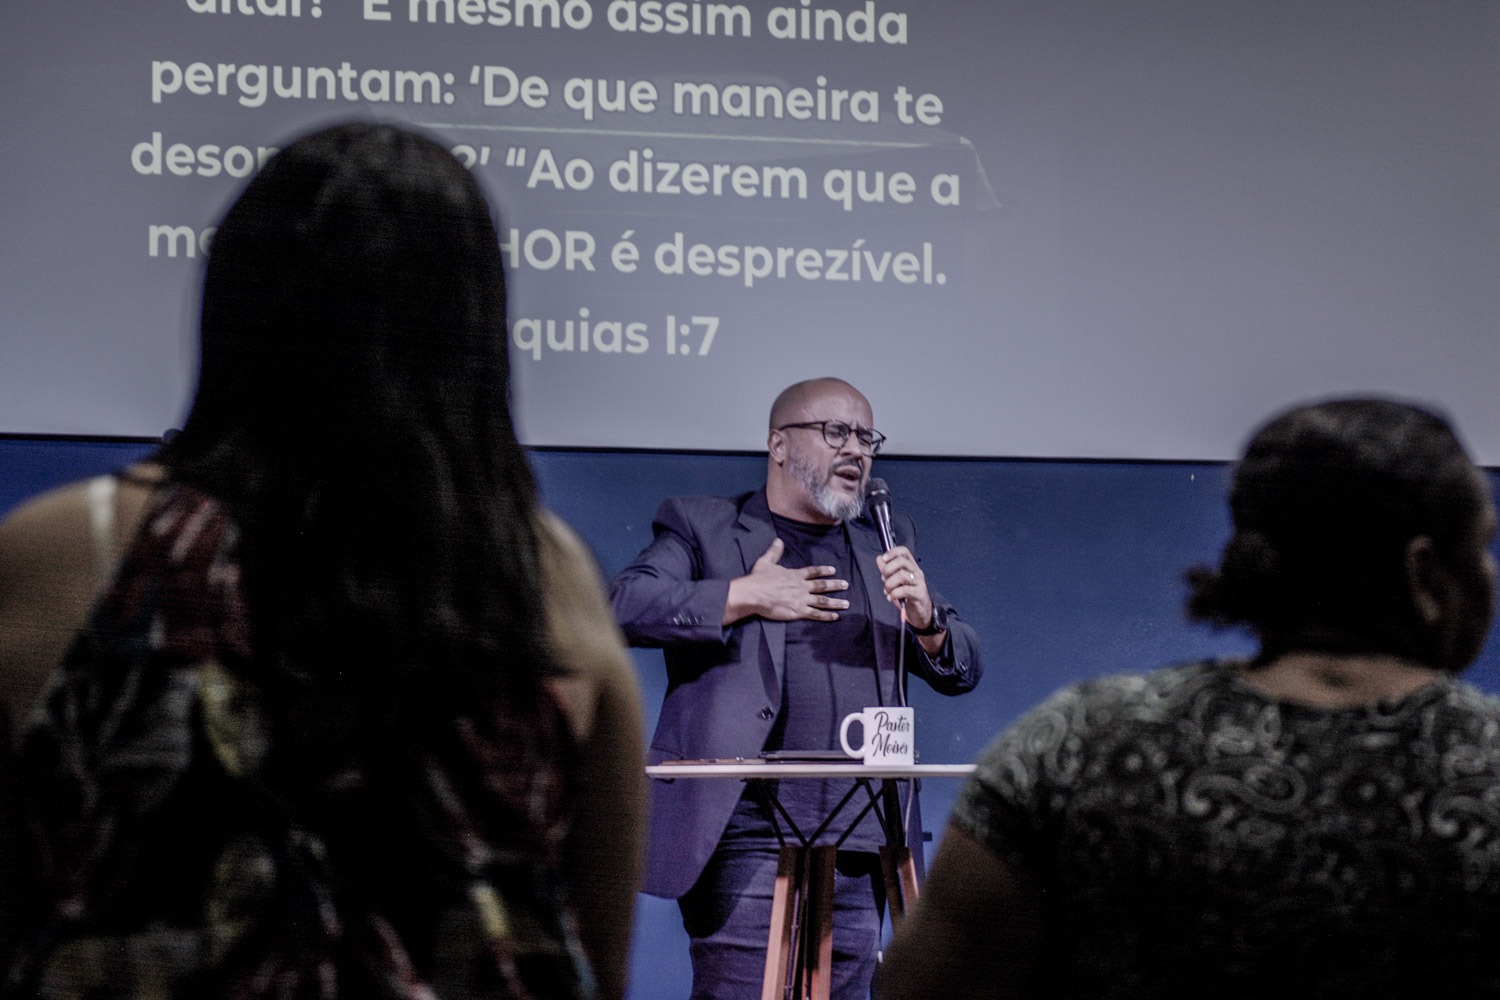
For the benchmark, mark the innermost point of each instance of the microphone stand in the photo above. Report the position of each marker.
(894, 818)
(879, 498)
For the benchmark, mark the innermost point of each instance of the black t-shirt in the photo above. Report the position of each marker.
(829, 673)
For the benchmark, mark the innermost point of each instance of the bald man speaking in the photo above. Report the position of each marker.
(779, 615)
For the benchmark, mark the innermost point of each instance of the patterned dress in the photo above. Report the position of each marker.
(179, 845)
(1196, 838)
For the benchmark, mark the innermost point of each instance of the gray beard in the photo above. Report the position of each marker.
(829, 503)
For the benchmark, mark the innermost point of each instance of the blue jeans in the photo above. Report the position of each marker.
(727, 915)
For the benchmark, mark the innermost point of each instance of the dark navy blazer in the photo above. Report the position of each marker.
(724, 685)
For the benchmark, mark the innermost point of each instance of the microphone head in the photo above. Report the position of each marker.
(878, 502)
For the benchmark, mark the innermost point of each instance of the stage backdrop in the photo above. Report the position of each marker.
(1100, 228)
(1067, 569)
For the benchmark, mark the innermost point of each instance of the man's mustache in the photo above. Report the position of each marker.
(849, 463)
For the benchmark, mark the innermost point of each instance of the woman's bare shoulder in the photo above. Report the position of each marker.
(586, 640)
(50, 522)
(49, 575)
(573, 590)
(62, 511)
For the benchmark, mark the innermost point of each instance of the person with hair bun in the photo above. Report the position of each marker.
(319, 702)
(1322, 820)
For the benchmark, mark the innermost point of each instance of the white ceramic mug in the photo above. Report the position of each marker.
(889, 735)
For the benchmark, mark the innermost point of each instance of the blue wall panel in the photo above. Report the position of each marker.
(1067, 569)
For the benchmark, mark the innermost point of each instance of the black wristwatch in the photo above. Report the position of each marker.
(938, 624)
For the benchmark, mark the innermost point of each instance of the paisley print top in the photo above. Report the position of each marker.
(1193, 837)
(179, 845)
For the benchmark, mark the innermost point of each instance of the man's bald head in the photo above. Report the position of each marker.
(795, 400)
(808, 478)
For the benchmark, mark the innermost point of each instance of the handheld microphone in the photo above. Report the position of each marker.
(878, 497)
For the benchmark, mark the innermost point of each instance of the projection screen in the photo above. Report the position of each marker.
(1083, 229)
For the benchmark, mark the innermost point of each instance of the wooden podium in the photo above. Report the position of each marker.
(799, 948)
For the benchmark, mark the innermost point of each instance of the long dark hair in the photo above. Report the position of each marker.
(352, 411)
(1324, 503)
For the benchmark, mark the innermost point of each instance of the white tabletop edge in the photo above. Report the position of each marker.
(762, 769)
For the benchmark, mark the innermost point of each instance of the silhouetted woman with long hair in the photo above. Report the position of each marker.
(349, 716)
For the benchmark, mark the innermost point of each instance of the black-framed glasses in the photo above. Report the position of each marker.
(836, 432)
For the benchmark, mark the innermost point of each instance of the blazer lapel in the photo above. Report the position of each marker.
(754, 535)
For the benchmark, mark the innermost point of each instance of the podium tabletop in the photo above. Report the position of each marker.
(750, 768)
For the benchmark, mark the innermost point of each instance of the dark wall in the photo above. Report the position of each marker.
(1067, 569)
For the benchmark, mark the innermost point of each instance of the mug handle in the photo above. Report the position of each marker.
(844, 735)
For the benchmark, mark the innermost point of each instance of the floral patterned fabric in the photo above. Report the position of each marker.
(1193, 837)
(180, 843)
